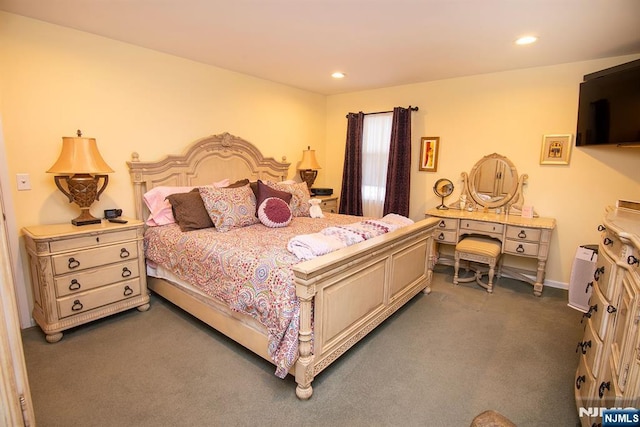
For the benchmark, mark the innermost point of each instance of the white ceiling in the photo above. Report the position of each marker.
(377, 43)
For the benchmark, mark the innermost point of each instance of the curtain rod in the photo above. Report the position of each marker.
(383, 112)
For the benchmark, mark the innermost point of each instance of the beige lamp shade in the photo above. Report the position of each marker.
(309, 160)
(79, 155)
(81, 167)
(309, 166)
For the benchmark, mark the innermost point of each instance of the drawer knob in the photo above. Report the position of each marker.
(603, 386)
(74, 285)
(126, 272)
(520, 249)
(584, 345)
(611, 309)
(588, 313)
(442, 224)
(73, 263)
(589, 285)
(522, 234)
(124, 253)
(580, 380)
(601, 227)
(441, 236)
(77, 305)
(607, 241)
(127, 291)
(597, 273)
(631, 260)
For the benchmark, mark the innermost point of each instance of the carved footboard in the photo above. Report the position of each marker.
(353, 290)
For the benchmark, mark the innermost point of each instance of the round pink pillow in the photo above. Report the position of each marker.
(274, 212)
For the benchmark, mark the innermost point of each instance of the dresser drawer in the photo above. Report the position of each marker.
(481, 226)
(604, 275)
(447, 224)
(598, 313)
(89, 279)
(591, 348)
(584, 382)
(74, 261)
(92, 240)
(445, 236)
(79, 303)
(521, 248)
(523, 233)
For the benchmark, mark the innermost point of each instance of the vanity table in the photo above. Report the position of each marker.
(490, 205)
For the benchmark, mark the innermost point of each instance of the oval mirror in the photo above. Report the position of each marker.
(493, 181)
(443, 188)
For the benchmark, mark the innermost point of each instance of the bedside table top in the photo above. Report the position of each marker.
(68, 229)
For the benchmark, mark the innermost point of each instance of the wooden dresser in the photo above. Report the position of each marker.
(520, 237)
(608, 374)
(84, 273)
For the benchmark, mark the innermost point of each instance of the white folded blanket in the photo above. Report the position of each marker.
(309, 246)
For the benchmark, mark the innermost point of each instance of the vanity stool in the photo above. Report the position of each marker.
(478, 249)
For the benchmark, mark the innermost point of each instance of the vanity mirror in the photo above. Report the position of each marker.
(493, 183)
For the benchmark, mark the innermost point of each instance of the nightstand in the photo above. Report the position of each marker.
(329, 203)
(84, 273)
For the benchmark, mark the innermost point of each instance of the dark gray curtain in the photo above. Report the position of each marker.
(399, 169)
(351, 194)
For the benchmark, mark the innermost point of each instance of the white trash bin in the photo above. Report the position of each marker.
(581, 281)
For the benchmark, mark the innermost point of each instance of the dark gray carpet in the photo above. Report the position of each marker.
(441, 360)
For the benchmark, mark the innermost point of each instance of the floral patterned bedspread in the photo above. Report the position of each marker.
(248, 268)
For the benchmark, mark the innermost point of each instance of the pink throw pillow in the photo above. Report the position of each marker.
(274, 212)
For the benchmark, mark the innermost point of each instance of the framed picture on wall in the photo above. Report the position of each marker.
(556, 149)
(429, 148)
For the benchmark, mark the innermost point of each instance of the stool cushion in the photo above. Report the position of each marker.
(479, 246)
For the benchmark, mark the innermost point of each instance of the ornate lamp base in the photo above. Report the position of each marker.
(308, 176)
(85, 218)
(83, 191)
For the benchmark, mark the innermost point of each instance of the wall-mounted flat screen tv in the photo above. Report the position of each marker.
(609, 106)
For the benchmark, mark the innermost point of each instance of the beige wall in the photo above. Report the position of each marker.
(54, 80)
(507, 113)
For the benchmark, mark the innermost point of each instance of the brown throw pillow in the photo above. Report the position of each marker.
(189, 211)
(265, 192)
(240, 183)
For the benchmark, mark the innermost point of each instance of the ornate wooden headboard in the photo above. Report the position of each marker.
(204, 162)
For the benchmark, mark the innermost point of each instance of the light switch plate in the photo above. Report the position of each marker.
(24, 181)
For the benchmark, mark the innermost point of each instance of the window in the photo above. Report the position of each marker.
(375, 159)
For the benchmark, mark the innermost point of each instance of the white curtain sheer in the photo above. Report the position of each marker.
(375, 159)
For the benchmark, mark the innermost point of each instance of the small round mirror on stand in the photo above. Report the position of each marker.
(443, 188)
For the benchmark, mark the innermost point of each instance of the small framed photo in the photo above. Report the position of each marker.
(556, 149)
(429, 148)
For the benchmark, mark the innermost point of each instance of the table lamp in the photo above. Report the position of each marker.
(81, 167)
(308, 167)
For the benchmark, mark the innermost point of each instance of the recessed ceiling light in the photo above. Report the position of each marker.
(526, 40)
(338, 75)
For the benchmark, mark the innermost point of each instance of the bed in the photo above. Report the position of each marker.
(341, 296)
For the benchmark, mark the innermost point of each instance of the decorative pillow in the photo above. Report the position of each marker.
(274, 212)
(240, 183)
(160, 208)
(229, 207)
(264, 192)
(189, 211)
(300, 196)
